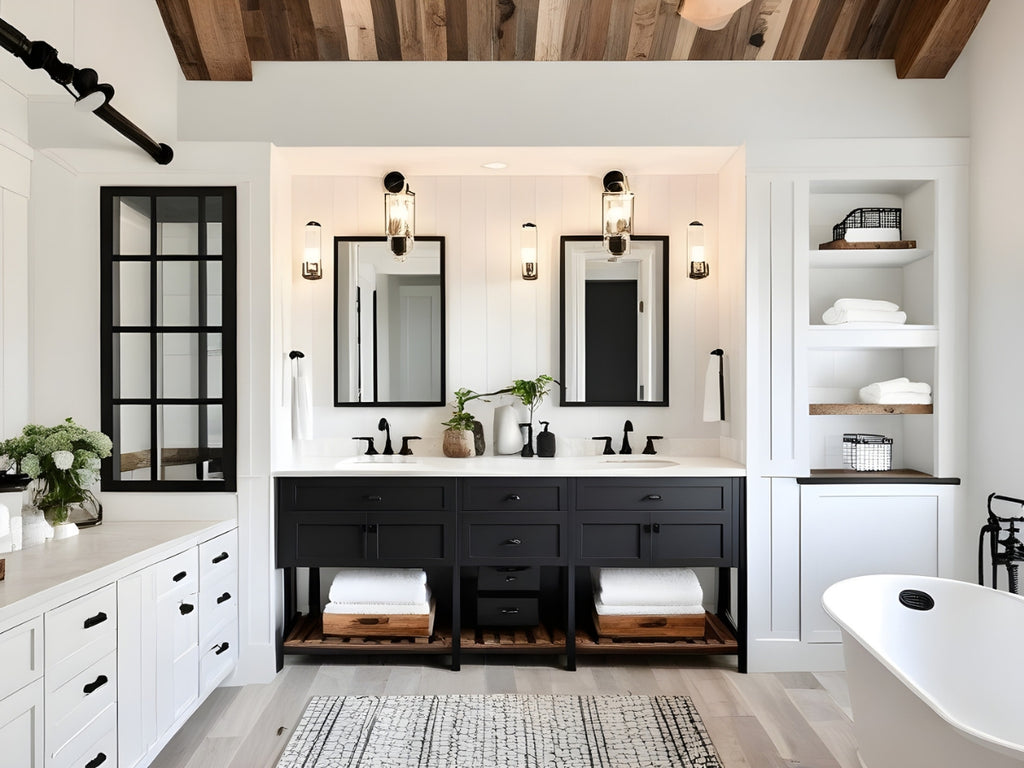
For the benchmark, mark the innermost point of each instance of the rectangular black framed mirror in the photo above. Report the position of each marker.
(388, 323)
(614, 322)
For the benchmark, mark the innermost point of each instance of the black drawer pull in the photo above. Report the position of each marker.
(220, 558)
(371, 528)
(512, 542)
(513, 497)
(179, 576)
(508, 611)
(375, 498)
(224, 598)
(510, 579)
(652, 497)
(221, 648)
(186, 608)
(92, 621)
(657, 527)
(97, 761)
(647, 527)
(99, 682)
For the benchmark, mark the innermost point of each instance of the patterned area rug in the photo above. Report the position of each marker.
(500, 731)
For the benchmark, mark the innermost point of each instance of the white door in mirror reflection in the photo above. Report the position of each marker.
(389, 323)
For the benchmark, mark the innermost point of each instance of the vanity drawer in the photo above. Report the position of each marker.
(500, 494)
(75, 704)
(508, 578)
(507, 611)
(178, 575)
(218, 605)
(218, 556)
(95, 746)
(531, 538)
(218, 657)
(21, 649)
(79, 633)
(650, 495)
(403, 494)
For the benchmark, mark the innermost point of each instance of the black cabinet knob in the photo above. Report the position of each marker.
(221, 648)
(97, 761)
(647, 527)
(508, 611)
(657, 527)
(652, 497)
(99, 682)
(186, 608)
(92, 621)
(510, 579)
(513, 497)
(375, 498)
(512, 542)
(224, 598)
(220, 558)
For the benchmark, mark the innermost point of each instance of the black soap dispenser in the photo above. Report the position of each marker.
(545, 442)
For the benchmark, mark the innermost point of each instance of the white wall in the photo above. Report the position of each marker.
(997, 270)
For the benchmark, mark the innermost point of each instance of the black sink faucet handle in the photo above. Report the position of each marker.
(649, 448)
(370, 450)
(383, 426)
(607, 444)
(405, 450)
(626, 429)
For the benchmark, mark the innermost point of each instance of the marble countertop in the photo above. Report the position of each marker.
(633, 465)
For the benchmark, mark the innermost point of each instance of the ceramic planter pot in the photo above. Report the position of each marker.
(458, 443)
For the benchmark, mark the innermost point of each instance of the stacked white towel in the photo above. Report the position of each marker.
(863, 311)
(641, 591)
(379, 590)
(901, 391)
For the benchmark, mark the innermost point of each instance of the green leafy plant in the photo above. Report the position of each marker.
(462, 419)
(531, 392)
(63, 462)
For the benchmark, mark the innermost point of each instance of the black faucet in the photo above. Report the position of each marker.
(626, 429)
(386, 428)
(405, 450)
(649, 448)
(607, 444)
(370, 450)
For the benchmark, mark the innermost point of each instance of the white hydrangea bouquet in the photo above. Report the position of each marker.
(63, 463)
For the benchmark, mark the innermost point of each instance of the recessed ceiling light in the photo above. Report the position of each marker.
(495, 166)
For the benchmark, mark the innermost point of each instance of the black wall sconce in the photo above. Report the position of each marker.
(399, 215)
(312, 260)
(699, 268)
(528, 250)
(89, 93)
(616, 214)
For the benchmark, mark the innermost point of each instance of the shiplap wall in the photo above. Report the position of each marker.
(500, 327)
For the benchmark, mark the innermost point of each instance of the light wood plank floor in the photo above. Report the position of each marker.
(755, 720)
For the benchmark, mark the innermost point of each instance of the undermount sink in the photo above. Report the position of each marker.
(642, 463)
(384, 461)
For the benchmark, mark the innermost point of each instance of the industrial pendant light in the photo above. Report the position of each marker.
(399, 215)
(616, 214)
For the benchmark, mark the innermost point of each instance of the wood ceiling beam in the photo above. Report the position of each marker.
(329, 23)
(933, 34)
(208, 38)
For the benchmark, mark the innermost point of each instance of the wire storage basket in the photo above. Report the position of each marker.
(869, 218)
(867, 453)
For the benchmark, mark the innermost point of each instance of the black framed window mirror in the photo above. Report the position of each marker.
(389, 324)
(168, 338)
(614, 322)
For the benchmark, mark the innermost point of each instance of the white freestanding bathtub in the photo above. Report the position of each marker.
(932, 688)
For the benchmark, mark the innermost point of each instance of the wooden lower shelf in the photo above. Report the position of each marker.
(307, 636)
(718, 638)
(539, 639)
(862, 409)
(856, 477)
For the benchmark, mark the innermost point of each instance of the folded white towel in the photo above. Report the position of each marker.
(878, 304)
(647, 586)
(379, 585)
(899, 398)
(834, 316)
(603, 609)
(417, 609)
(872, 392)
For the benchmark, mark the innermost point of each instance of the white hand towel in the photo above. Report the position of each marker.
(712, 390)
(878, 304)
(647, 586)
(603, 609)
(379, 585)
(899, 398)
(834, 316)
(302, 401)
(420, 608)
(902, 384)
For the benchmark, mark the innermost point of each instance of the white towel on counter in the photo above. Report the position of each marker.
(302, 401)
(836, 316)
(872, 392)
(419, 608)
(713, 390)
(647, 586)
(870, 304)
(604, 609)
(379, 585)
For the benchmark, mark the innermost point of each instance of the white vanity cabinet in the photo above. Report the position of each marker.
(21, 694)
(218, 610)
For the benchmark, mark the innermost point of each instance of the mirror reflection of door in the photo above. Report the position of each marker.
(611, 340)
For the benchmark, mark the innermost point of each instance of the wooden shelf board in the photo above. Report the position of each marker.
(853, 476)
(538, 639)
(864, 336)
(860, 259)
(307, 636)
(717, 639)
(859, 409)
(845, 245)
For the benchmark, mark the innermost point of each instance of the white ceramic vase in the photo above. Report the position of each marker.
(34, 528)
(508, 437)
(64, 531)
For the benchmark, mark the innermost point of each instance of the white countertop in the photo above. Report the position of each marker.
(50, 574)
(633, 465)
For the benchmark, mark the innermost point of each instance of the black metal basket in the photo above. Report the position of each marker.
(867, 453)
(869, 218)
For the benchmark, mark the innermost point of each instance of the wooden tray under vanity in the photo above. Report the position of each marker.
(379, 624)
(650, 626)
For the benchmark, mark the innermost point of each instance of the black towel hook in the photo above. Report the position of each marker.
(295, 353)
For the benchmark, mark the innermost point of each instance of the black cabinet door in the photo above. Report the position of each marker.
(612, 538)
(327, 539)
(691, 538)
(411, 539)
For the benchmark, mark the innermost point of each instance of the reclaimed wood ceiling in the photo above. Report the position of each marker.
(219, 39)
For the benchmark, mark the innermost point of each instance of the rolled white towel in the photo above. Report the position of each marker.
(417, 609)
(603, 609)
(647, 586)
(835, 316)
(379, 585)
(902, 384)
(875, 304)
(900, 398)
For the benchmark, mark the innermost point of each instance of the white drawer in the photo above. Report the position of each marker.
(95, 746)
(78, 633)
(218, 556)
(219, 658)
(21, 649)
(218, 605)
(178, 575)
(77, 703)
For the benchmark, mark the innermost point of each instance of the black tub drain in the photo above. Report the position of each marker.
(917, 600)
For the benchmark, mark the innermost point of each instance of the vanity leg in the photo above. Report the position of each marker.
(314, 592)
(570, 617)
(289, 613)
(456, 616)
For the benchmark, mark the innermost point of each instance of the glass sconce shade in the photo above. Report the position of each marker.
(528, 250)
(312, 263)
(399, 215)
(616, 214)
(699, 268)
